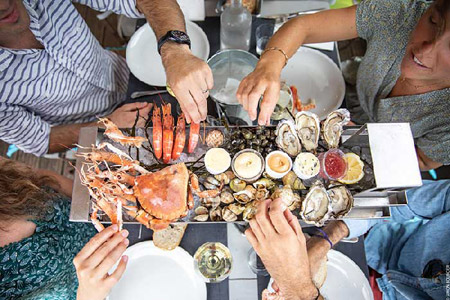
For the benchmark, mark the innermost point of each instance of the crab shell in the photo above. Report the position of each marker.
(164, 194)
(316, 205)
(287, 138)
(333, 126)
(341, 201)
(307, 125)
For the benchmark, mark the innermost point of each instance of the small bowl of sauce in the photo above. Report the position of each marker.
(278, 164)
(248, 165)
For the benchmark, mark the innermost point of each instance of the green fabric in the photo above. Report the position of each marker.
(40, 266)
(386, 26)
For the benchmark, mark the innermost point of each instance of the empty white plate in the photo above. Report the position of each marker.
(316, 76)
(144, 60)
(345, 280)
(156, 274)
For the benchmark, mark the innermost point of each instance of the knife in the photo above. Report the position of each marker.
(281, 18)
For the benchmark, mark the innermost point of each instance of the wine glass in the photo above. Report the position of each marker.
(213, 261)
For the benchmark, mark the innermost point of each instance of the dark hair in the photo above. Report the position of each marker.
(442, 7)
(21, 192)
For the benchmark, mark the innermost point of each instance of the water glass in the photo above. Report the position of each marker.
(263, 34)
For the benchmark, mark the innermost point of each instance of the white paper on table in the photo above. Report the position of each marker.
(394, 156)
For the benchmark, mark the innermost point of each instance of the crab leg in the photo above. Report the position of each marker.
(94, 219)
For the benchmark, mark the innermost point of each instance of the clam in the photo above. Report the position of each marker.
(265, 183)
(333, 126)
(287, 138)
(286, 194)
(251, 190)
(225, 177)
(211, 183)
(249, 211)
(291, 180)
(211, 202)
(201, 218)
(226, 197)
(228, 215)
(201, 210)
(261, 193)
(236, 208)
(243, 197)
(341, 201)
(316, 205)
(215, 214)
(237, 185)
(307, 125)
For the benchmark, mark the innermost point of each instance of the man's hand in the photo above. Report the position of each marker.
(125, 116)
(263, 81)
(94, 261)
(277, 238)
(190, 78)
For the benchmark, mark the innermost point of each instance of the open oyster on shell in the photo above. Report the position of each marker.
(333, 126)
(287, 138)
(307, 125)
(341, 201)
(316, 205)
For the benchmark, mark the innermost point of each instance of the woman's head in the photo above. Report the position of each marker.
(427, 56)
(21, 193)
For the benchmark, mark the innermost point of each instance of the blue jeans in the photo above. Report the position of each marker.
(402, 248)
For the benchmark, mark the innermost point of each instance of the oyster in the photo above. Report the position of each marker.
(226, 197)
(244, 196)
(333, 126)
(236, 208)
(286, 194)
(287, 138)
(291, 180)
(228, 215)
(316, 205)
(341, 201)
(307, 125)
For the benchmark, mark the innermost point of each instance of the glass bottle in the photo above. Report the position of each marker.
(235, 27)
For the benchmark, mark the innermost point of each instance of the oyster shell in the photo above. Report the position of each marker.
(316, 205)
(333, 126)
(307, 125)
(287, 138)
(291, 180)
(341, 201)
(286, 194)
(236, 208)
(228, 215)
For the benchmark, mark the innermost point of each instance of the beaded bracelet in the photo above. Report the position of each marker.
(286, 58)
(324, 236)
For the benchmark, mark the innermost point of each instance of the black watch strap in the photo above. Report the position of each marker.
(176, 36)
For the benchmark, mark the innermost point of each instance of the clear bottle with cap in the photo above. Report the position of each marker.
(235, 27)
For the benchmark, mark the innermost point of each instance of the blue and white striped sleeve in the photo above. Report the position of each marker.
(24, 129)
(121, 7)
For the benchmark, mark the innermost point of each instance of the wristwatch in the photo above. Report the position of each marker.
(176, 36)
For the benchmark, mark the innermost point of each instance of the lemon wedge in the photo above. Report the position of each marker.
(355, 169)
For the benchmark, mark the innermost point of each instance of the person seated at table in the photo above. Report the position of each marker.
(417, 233)
(56, 78)
(403, 77)
(38, 243)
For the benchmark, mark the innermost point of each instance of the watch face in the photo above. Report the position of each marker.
(180, 35)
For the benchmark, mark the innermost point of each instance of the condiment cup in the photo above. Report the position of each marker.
(272, 173)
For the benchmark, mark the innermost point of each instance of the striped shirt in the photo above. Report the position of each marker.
(72, 80)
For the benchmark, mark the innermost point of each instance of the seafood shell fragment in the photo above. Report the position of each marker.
(307, 125)
(341, 201)
(316, 205)
(333, 126)
(214, 138)
(287, 138)
(228, 215)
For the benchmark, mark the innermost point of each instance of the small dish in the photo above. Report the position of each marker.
(248, 165)
(278, 164)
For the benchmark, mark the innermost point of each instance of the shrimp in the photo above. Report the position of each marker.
(194, 134)
(157, 132)
(167, 132)
(180, 137)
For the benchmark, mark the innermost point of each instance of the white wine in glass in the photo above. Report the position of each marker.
(213, 261)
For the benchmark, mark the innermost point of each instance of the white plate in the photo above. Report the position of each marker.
(156, 274)
(345, 280)
(316, 76)
(144, 60)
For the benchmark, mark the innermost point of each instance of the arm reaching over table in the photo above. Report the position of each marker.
(264, 81)
(189, 77)
(277, 238)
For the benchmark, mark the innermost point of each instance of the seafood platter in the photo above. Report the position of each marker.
(175, 172)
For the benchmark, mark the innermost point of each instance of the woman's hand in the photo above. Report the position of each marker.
(94, 261)
(263, 81)
(277, 238)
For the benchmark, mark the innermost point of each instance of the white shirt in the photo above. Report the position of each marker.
(72, 80)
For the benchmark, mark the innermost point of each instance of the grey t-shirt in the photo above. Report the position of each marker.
(386, 25)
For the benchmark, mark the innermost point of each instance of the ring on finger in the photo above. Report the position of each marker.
(205, 91)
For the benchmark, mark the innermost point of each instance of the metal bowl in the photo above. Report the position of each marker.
(229, 67)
